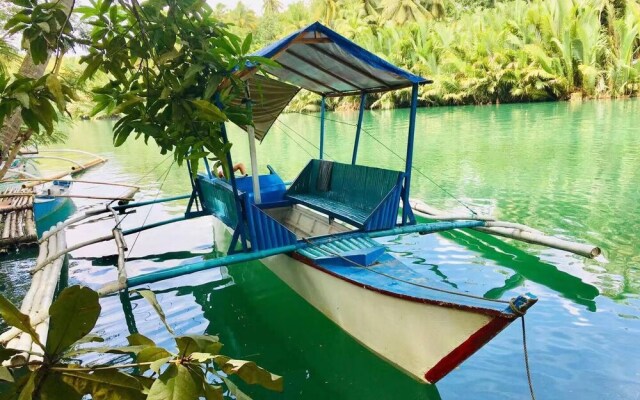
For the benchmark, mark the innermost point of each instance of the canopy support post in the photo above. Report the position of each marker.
(322, 109)
(407, 215)
(255, 175)
(363, 98)
(234, 186)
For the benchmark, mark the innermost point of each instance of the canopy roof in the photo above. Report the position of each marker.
(322, 61)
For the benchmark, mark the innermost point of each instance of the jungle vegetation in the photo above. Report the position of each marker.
(476, 52)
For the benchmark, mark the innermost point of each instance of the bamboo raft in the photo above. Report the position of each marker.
(37, 301)
(17, 221)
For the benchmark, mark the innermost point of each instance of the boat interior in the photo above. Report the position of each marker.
(326, 198)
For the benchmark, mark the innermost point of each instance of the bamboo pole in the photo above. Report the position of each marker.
(65, 173)
(45, 180)
(66, 250)
(512, 230)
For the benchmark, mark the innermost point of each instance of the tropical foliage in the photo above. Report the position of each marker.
(195, 370)
(480, 52)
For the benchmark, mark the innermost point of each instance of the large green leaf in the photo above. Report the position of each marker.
(235, 391)
(108, 384)
(54, 388)
(151, 298)
(12, 316)
(209, 112)
(73, 315)
(28, 388)
(151, 354)
(137, 339)
(38, 49)
(175, 383)
(189, 344)
(251, 373)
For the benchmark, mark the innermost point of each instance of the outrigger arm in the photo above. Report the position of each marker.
(168, 273)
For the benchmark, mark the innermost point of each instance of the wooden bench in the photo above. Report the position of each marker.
(365, 197)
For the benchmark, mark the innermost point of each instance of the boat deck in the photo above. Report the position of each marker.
(363, 262)
(17, 220)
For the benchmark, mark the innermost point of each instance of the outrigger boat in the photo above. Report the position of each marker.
(318, 233)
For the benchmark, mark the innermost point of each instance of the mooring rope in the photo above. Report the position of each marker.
(296, 142)
(512, 306)
(473, 212)
(526, 358)
(303, 138)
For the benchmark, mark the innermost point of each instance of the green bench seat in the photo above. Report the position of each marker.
(365, 197)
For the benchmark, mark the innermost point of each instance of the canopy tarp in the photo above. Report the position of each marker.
(268, 98)
(320, 60)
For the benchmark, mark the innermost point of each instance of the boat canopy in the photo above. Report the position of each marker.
(322, 61)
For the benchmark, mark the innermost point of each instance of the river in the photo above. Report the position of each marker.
(572, 170)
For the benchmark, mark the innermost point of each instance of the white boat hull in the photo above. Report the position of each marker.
(425, 340)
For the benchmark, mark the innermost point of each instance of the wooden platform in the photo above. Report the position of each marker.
(17, 220)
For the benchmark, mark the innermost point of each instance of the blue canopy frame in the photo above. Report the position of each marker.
(322, 61)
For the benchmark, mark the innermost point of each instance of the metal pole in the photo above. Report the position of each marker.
(406, 208)
(363, 98)
(255, 175)
(322, 108)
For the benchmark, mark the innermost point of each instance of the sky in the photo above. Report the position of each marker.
(255, 5)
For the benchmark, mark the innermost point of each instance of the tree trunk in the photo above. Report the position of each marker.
(11, 134)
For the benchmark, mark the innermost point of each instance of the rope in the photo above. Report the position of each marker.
(296, 142)
(305, 139)
(526, 358)
(401, 158)
(166, 174)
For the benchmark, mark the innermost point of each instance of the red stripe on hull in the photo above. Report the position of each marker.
(466, 349)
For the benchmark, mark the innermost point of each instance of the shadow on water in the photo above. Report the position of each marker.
(316, 358)
(526, 266)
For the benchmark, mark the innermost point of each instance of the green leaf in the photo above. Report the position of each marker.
(110, 350)
(38, 49)
(90, 70)
(54, 388)
(27, 390)
(235, 391)
(5, 374)
(151, 298)
(137, 339)
(157, 364)
(23, 98)
(90, 338)
(208, 111)
(123, 106)
(54, 86)
(72, 316)
(151, 354)
(212, 392)
(189, 344)
(168, 56)
(175, 383)
(105, 384)
(251, 373)
(192, 71)
(246, 44)
(12, 316)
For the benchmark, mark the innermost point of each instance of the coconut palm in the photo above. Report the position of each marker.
(243, 17)
(271, 7)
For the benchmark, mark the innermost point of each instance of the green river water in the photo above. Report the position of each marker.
(569, 170)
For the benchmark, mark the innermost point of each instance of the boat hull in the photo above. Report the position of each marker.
(425, 340)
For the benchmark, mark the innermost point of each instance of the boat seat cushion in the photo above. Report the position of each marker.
(352, 193)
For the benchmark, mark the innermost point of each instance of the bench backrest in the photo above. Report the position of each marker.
(357, 186)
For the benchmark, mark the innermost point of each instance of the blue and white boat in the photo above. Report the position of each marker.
(318, 234)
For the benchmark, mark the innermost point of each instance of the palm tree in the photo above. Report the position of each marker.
(404, 11)
(295, 17)
(243, 17)
(271, 7)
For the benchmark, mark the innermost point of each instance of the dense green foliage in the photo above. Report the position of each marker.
(195, 370)
(479, 52)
